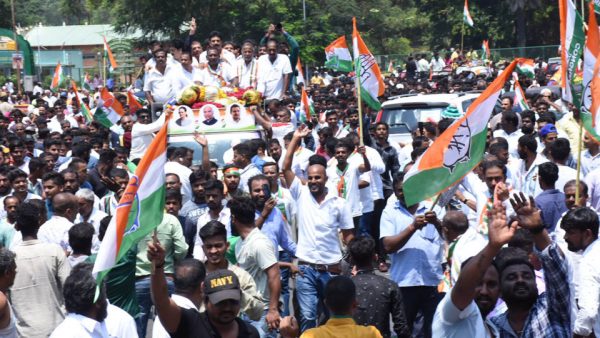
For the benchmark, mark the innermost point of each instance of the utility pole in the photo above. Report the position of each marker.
(14, 22)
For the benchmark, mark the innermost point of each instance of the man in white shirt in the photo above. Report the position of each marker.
(142, 132)
(242, 156)
(215, 40)
(526, 179)
(274, 74)
(510, 131)
(217, 72)
(88, 212)
(213, 194)
(179, 164)
(437, 62)
(158, 83)
(247, 67)
(581, 234)
(187, 75)
(56, 229)
(318, 249)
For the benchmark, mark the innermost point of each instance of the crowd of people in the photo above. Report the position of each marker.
(304, 232)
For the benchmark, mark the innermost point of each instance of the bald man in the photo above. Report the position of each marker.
(463, 241)
(56, 229)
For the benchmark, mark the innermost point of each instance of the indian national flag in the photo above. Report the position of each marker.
(526, 67)
(466, 15)
(112, 65)
(109, 109)
(140, 210)
(457, 151)
(85, 110)
(300, 77)
(132, 101)
(572, 39)
(338, 56)
(58, 77)
(367, 71)
(520, 102)
(391, 66)
(591, 101)
(306, 108)
(485, 47)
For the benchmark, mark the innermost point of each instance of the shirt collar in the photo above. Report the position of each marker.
(87, 323)
(340, 321)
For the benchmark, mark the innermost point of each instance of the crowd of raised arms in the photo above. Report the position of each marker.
(305, 230)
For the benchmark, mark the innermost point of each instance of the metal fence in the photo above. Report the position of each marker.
(545, 52)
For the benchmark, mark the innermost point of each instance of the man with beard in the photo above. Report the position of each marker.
(528, 123)
(389, 153)
(215, 40)
(5, 187)
(318, 248)
(217, 211)
(530, 315)
(231, 179)
(242, 158)
(109, 203)
(590, 158)
(526, 179)
(157, 83)
(88, 212)
(7, 224)
(509, 124)
(196, 207)
(581, 234)
(552, 200)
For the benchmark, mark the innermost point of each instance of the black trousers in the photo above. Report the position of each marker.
(422, 299)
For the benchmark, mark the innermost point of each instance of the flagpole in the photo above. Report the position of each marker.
(577, 178)
(360, 114)
(104, 69)
(462, 35)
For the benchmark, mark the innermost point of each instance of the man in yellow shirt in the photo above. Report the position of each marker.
(340, 299)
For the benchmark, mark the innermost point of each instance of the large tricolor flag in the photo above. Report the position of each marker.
(112, 65)
(597, 6)
(466, 15)
(485, 50)
(457, 151)
(85, 110)
(58, 77)
(367, 71)
(109, 110)
(526, 67)
(338, 56)
(306, 108)
(140, 209)
(520, 102)
(300, 77)
(591, 101)
(571, 47)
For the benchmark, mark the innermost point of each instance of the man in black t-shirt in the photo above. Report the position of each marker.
(222, 296)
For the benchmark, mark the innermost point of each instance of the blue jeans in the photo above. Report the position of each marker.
(142, 290)
(284, 256)
(261, 325)
(310, 292)
(364, 225)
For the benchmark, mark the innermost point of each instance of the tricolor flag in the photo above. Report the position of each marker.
(367, 71)
(85, 110)
(572, 40)
(590, 101)
(520, 102)
(466, 15)
(526, 67)
(112, 65)
(300, 77)
(87, 82)
(338, 56)
(132, 101)
(306, 108)
(58, 77)
(457, 151)
(140, 209)
(109, 110)
(485, 50)
(391, 66)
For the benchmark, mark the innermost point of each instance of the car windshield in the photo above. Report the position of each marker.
(218, 145)
(406, 119)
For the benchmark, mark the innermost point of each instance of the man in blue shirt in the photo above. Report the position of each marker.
(551, 201)
(411, 235)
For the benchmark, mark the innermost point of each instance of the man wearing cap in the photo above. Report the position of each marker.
(222, 296)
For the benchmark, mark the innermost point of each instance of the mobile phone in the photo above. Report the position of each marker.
(278, 27)
(267, 190)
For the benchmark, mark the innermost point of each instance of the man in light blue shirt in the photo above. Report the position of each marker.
(411, 235)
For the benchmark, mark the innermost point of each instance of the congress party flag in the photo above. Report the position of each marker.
(58, 77)
(112, 65)
(520, 102)
(485, 47)
(85, 110)
(571, 47)
(457, 151)
(367, 71)
(338, 56)
(109, 110)
(132, 101)
(140, 209)
(306, 108)
(591, 101)
(526, 67)
(300, 77)
(466, 15)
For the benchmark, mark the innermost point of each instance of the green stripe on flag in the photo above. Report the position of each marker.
(336, 63)
(586, 119)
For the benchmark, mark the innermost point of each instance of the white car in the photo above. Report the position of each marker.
(403, 113)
